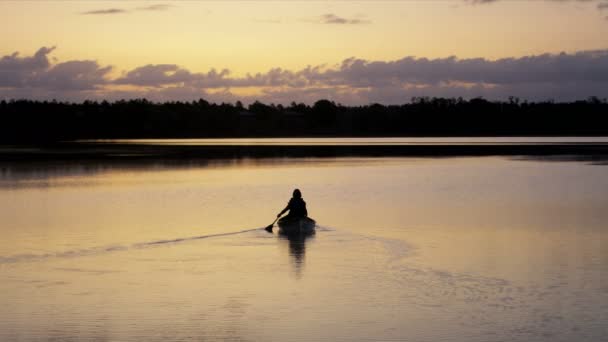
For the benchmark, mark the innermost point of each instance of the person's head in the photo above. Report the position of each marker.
(297, 193)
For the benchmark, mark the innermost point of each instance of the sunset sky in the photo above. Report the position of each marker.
(353, 52)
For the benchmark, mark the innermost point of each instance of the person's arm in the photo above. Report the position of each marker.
(284, 210)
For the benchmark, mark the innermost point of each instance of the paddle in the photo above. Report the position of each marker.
(269, 228)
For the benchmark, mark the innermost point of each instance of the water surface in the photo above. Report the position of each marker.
(357, 141)
(416, 249)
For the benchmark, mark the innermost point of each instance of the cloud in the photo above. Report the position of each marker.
(331, 18)
(157, 7)
(72, 75)
(105, 11)
(581, 66)
(563, 77)
(602, 5)
(157, 75)
(15, 71)
(37, 72)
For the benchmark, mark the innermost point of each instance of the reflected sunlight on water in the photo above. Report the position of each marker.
(418, 249)
(354, 141)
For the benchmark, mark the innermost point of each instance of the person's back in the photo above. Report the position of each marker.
(296, 206)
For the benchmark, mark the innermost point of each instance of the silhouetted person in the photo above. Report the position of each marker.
(296, 206)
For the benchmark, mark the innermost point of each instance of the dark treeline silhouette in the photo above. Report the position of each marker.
(25, 121)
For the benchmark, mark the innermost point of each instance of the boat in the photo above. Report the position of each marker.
(296, 225)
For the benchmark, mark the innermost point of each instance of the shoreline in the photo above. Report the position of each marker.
(121, 151)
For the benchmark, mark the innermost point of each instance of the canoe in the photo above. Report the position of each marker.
(294, 226)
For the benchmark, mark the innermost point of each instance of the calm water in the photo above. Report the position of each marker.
(407, 249)
(396, 141)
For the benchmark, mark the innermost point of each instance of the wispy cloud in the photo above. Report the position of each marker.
(331, 18)
(157, 7)
(105, 11)
(601, 6)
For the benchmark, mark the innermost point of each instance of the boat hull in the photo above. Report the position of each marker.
(296, 226)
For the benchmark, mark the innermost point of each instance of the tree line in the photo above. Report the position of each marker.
(27, 121)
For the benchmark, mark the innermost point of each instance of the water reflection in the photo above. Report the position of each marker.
(297, 250)
(492, 248)
(212, 149)
(46, 174)
(592, 159)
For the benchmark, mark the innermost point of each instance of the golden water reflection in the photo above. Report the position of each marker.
(297, 250)
(454, 249)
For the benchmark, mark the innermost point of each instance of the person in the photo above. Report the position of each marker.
(296, 206)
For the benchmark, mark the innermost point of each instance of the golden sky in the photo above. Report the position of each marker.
(255, 36)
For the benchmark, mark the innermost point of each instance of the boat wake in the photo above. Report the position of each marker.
(192, 238)
(112, 248)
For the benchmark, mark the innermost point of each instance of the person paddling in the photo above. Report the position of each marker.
(296, 206)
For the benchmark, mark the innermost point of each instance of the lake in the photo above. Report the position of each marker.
(456, 247)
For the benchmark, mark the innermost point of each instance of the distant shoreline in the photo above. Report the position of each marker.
(35, 122)
(131, 151)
